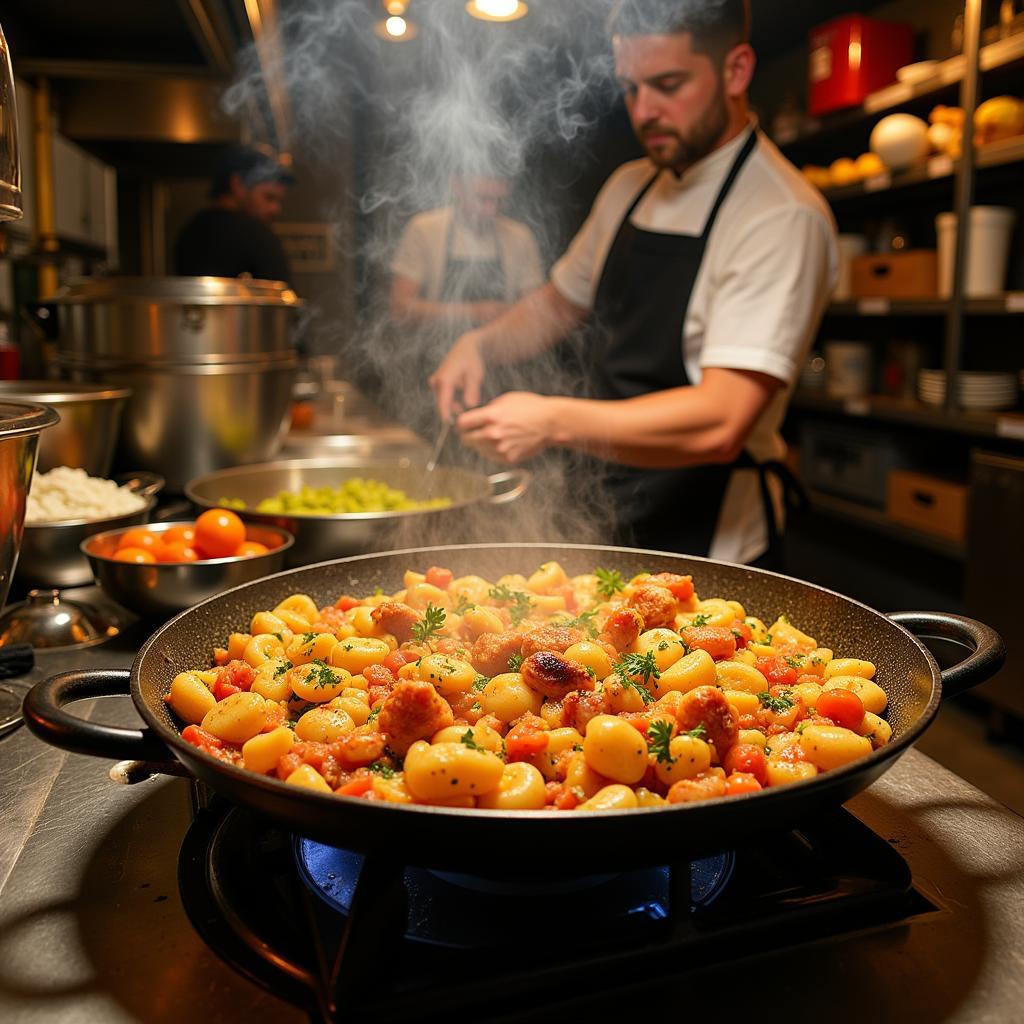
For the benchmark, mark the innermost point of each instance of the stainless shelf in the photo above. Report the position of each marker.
(879, 522)
(1008, 304)
(947, 73)
(1005, 425)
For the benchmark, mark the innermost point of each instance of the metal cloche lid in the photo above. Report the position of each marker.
(46, 619)
(20, 418)
(10, 165)
(196, 291)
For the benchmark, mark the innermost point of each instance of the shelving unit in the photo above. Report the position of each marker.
(936, 440)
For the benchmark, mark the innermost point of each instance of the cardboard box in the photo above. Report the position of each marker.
(927, 503)
(910, 274)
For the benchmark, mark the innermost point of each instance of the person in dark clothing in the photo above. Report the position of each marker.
(232, 236)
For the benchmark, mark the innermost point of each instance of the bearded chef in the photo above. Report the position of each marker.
(702, 271)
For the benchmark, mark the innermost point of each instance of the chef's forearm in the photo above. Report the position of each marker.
(535, 323)
(679, 427)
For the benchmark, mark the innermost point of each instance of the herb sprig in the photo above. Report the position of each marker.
(518, 602)
(584, 621)
(609, 582)
(469, 740)
(780, 705)
(430, 625)
(643, 665)
(659, 737)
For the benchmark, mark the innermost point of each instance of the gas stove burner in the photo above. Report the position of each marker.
(454, 910)
(268, 904)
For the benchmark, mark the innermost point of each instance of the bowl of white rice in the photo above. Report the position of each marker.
(64, 507)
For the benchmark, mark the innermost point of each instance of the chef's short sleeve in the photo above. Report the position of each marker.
(412, 256)
(769, 292)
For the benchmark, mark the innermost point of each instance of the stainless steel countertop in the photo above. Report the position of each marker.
(91, 928)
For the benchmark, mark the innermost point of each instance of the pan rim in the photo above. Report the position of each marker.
(277, 787)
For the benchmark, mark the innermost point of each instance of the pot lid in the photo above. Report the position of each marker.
(46, 620)
(210, 291)
(20, 418)
(58, 392)
(10, 166)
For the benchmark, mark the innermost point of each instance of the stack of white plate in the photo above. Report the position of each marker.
(974, 390)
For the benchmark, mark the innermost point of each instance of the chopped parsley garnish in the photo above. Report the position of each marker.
(591, 671)
(321, 674)
(585, 622)
(308, 638)
(663, 646)
(515, 663)
(659, 737)
(382, 768)
(281, 669)
(476, 706)
(519, 603)
(430, 625)
(470, 740)
(795, 662)
(700, 620)
(576, 747)
(373, 715)
(609, 582)
(698, 732)
(779, 705)
(479, 683)
(643, 665)
(803, 725)
(767, 751)
(463, 606)
(767, 639)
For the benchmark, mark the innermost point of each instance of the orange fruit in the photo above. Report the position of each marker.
(137, 556)
(179, 534)
(219, 532)
(139, 537)
(176, 551)
(249, 548)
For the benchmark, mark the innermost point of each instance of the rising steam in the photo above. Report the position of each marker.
(464, 98)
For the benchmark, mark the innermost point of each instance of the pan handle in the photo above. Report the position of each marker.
(988, 652)
(508, 486)
(44, 716)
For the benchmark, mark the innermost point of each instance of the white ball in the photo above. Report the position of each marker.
(900, 140)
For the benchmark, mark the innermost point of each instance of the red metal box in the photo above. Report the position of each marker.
(852, 57)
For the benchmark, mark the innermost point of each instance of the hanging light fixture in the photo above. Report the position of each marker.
(396, 27)
(497, 10)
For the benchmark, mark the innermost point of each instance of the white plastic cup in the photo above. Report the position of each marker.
(849, 247)
(848, 369)
(988, 250)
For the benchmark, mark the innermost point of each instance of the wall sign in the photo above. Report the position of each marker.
(309, 247)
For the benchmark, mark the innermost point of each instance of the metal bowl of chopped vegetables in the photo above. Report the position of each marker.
(348, 506)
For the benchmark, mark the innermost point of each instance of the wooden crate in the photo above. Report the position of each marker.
(927, 503)
(911, 274)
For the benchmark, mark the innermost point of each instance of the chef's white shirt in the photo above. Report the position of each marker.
(421, 254)
(770, 265)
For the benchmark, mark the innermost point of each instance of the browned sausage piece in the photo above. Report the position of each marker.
(491, 652)
(578, 708)
(396, 618)
(412, 711)
(655, 604)
(557, 639)
(622, 628)
(553, 675)
(707, 706)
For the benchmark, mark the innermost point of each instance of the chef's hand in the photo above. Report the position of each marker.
(461, 371)
(514, 427)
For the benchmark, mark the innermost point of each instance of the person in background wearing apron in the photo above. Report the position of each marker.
(459, 267)
(704, 270)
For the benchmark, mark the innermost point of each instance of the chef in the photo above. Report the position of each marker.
(703, 271)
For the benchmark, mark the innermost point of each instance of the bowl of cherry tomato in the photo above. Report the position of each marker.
(163, 568)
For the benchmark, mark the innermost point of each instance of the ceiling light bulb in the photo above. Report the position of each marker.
(497, 10)
(396, 26)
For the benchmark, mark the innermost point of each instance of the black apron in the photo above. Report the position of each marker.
(472, 280)
(640, 308)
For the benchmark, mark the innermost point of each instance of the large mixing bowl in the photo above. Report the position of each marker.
(90, 418)
(472, 510)
(20, 426)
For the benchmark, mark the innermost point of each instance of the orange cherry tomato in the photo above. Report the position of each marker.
(844, 707)
(137, 556)
(139, 537)
(249, 548)
(176, 551)
(219, 532)
(179, 534)
(741, 782)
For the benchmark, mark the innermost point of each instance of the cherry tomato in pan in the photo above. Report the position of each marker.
(844, 707)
